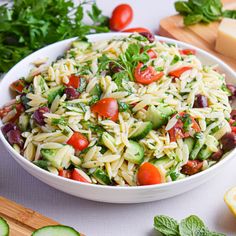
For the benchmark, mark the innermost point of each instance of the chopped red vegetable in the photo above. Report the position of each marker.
(78, 141)
(178, 72)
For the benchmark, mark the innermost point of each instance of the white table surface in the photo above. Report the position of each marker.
(100, 219)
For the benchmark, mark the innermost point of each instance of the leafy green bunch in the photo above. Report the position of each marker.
(189, 226)
(204, 11)
(31, 24)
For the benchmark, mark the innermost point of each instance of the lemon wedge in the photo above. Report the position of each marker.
(230, 199)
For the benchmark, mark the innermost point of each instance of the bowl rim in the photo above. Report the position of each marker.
(96, 37)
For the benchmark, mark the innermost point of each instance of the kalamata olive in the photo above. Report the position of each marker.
(14, 137)
(217, 155)
(201, 101)
(7, 127)
(71, 93)
(150, 37)
(114, 68)
(232, 89)
(38, 115)
(233, 114)
(228, 141)
(191, 167)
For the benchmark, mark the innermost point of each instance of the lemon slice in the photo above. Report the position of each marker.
(230, 199)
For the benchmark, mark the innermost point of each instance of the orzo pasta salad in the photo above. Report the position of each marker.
(126, 111)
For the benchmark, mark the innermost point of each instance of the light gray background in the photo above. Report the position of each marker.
(99, 219)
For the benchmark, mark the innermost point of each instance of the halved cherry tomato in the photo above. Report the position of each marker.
(178, 132)
(146, 76)
(74, 81)
(178, 72)
(121, 17)
(151, 54)
(78, 177)
(18, 86)
(65, 173)
(138, 30)
(187, 52)
(148, 174)
(106, 107)
(78, 141)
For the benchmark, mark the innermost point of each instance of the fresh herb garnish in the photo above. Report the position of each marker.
(204, 11)
(60, 121)
(187, 121)
(122, 106)
(189, 226)
(29, 25)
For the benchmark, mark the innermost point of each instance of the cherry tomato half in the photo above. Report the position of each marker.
(78, 141)
(121, 17)
(138, 30)
(74, 81)
(65, 173)
(147, 75)
(148, 174)
(76, 175)
(187, 52)
(178, 72)
(106, 107)
(18, 86)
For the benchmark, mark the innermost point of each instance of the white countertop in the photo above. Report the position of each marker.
(100, 219)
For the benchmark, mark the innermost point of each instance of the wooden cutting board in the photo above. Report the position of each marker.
(22, 221)
(200, 35)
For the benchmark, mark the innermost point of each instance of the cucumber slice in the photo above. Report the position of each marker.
(53, 92)
(134, 153)
(81, 45)
(96, 90)
(4, 227)
(50, 155)
(159, 115)
(141, 130)
(56, 230)
(102, 177)
(190, 143)
(198, 145)
(204, 153)
(161, 161)
(24, 121)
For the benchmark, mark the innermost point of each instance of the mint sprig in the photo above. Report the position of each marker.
(190, 226)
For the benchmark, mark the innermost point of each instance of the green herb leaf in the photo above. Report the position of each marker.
(166, 225)
(190, 226)
(229, 14)
(123, 106)
(192, 19)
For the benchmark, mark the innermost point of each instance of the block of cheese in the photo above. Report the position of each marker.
(226, 38)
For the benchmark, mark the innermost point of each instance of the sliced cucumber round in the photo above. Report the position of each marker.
(4, 227)
(56, 230)
(134, 153)
(141, 131)
(102, 177)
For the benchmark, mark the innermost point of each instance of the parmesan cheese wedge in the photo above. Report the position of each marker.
(226, 38)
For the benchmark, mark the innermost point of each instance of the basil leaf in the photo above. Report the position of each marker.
(166, 225)
(182, 7)
(192, 19)
(229, 14)
(190, 226)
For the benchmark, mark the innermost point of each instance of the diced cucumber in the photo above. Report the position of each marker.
(102, 177)
(159, 115)
(134, 153)
(200, 140)
(141, 130)
(81, 45)
(96, 91)
(161, 161)
(4, 227)
(204, 153)
(108, 141)
(24, 120)
(53, 92)
(190, 143)
(56, 230)
(51, 156)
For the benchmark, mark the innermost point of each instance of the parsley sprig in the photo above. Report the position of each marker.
(28, 25)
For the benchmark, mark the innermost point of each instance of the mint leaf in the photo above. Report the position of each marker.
(166, 225)
(192, 226)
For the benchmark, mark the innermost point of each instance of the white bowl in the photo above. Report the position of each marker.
(100, 193)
